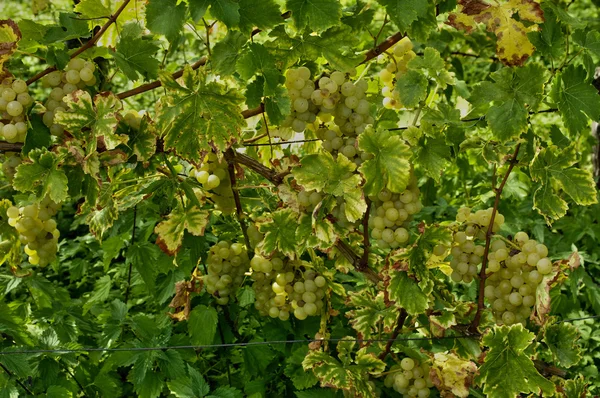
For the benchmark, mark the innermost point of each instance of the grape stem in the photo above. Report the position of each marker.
(488, 238)
(230, 157)
(89, 44)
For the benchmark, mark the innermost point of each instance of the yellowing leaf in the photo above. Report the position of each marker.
(452, 375)
(170, 232)
(513, 46)
(9, 36)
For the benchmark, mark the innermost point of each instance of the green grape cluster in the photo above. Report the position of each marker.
(515, 269)
(282, 287)
(214, 177)
(78, 75)
(9, 166)
(226, 264)
(400, 55)
(300, 90)
(392, 214)
(410, 378)
(37, 230)
(468, 243)
(14, 101)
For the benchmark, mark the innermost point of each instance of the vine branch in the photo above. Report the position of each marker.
(230, 157)
(488, 238)
(89, 44)
(399, 325)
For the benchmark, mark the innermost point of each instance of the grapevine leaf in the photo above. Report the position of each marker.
(70, 27)
(552, 166)
(189, 387)
(317, 393)
(42, 176)
(588, 39)
(432, 154)
(322, 172)
(92, 9)
(513, 46)
(262, 14)
(58, 392)
(432, 62)
(317, 15)
(389, 167)
(38, 135)
(258, 359)
(412, 87)
(404, 12)
(452, 374)
(280, 232)
(507, 370)
(578, 100)
(143, 256)
(226, 11)
(198, 115)
(202, 325)
(550, 40)
(143, 140)
(258, 60)
(9, 37)
(369, 313)
(278, 105)
(133, 11)
(134, 55)
(225, 392)
(406, 293)
(87, 120)
(170, 232)
(99, 294)
(227, 51)
(514, 93)
(165, 17)
(562, 338)
(294, 370)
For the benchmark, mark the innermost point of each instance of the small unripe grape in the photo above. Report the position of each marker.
(407, 364)
(14, 108)
(212, 182)
(86, 74)
(73, 77)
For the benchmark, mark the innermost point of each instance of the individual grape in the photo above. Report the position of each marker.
(14, 108)
(86, 74)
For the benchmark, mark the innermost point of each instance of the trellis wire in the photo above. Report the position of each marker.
(251, 343)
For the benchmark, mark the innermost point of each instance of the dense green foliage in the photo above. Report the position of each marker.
(309, 198)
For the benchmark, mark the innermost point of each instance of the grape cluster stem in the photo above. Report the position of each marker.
(488, 238)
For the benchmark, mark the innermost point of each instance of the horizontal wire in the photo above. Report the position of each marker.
(227, 345)
(250, 343)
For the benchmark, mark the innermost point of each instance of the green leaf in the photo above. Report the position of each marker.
(404, 12)
(101, 291)
(389, 167)
(323, 173)
(407, 294)
(515, 92)
(562, 339)
(577, 99)
(170, 232)
(412, 87)
(293, 369)
(198, 116)
(226, 11)
(202, 325)
(245, 296)
(226, 392)
(316, 393)
(227, 51)
(263, 14)
(136, 56)
(143, 141)
(507, 370)
(189, 387)
(38, 135)
(93, 9)
(549, 41)
(318, 15)
(280, 232)
(165, 17)
(70, 27)
(588, 39)
(278, 105)
(58, 392)
(257, 359)
(87, 120)
(144, 256)
(18, 365)
(370, 312)
(552, 167)
(42, 176)
(258, 60)
(433, 154)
